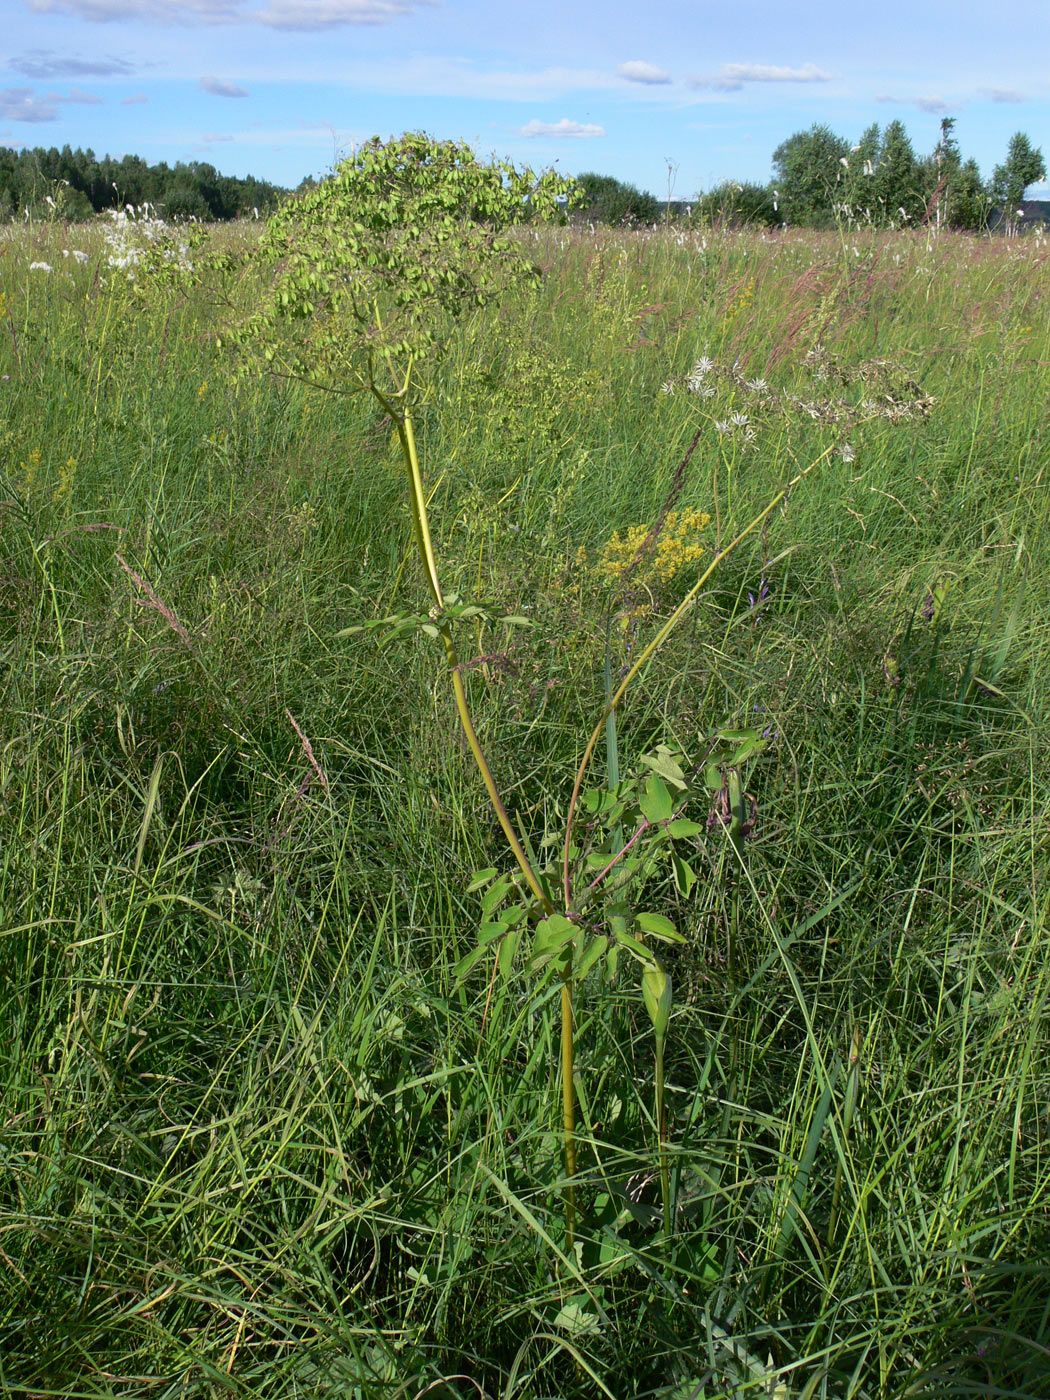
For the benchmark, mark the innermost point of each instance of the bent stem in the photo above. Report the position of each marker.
(421, 526)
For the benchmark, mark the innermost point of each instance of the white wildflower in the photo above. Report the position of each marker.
(723, 426)
(128, 236)
(667, 387)
(740, 420)
(40, 267)
(80, 256)
(756, 386)
(846, 451)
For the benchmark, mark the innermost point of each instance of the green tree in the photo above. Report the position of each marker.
(940, 172)
(809, 168)
(183, 199)
(1023, 167)
(134, 181)
(857, 183)
(606, 200)
(733, 205)
(956, 197)
(897, 186)
(968, 198)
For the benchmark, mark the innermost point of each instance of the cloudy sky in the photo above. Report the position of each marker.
(686, 92)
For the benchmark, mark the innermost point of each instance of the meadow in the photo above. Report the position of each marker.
(256, 1136)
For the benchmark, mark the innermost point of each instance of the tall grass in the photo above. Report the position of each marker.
(253, 1140)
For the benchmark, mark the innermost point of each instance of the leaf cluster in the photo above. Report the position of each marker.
(430, 623)
(377, 262)
(612, 874)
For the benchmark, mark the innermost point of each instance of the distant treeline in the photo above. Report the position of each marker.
(821, 180)
(78, 184)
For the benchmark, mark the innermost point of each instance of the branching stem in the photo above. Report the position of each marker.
(654, 646)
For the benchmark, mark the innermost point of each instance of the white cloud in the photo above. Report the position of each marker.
(732, 76)
(211, 136)
(278, 14)
(21, 104)
(135, 100)
(217, 88)
(1003, 95)
(329, 14)
(563, 128)
(935, 105)
(426, 76)
(636, 71)
(45, 63)
(159, 11)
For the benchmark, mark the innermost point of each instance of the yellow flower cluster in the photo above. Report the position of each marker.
(676, 546)
(66, 476)
(740, 303)
(31, 470)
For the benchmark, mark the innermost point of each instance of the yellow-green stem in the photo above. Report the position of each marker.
(421, 524)
(467, 724)
(420, 519)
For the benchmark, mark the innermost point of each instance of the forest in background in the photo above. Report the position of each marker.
(75, 185)
(820, 180)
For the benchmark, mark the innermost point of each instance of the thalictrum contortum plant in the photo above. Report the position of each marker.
(371, 270)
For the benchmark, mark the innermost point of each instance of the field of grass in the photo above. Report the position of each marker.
(255, 1140)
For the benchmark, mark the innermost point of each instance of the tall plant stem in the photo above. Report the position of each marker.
(661, 1130)
(654, 646)
(421, 526)
(568, 1111)
(738, 817)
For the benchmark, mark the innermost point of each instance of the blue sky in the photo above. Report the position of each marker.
(665, 92)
